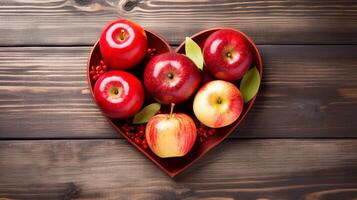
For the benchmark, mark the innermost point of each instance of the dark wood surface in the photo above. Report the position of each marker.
(241, 169)
(298, 142)
(79, 22)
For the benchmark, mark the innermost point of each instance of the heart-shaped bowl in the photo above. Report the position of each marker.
(173, 166)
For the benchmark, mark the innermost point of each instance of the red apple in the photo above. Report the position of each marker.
(217, 104)
(227, 54)
(171, 135)
(123, 44)
(171, 78)
(119, 94)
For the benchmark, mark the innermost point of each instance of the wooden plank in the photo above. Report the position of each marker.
(307, 91)
(78, 22)
(239, 169)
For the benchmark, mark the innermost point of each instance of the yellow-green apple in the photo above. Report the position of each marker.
(171, 78)
(218, 103)
(119, 94)
(227, 54)
(171, 135)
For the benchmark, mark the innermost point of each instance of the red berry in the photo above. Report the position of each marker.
(137, 141)
(210, 132)
(142, 128)
(98, 68)
(101, 72)
(144, 144)
(105, 68)
(201, 139)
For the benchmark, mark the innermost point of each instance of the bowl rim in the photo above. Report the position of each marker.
(214, 143)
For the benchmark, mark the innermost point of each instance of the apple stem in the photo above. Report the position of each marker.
(172, 109)
(229, 55)
(122, 35)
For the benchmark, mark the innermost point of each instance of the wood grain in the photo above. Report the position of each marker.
(237, 169)
(307, 91)
(79, 22)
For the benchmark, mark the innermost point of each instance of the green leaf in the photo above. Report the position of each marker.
(193, 51)
(146, 113)
(250, 84)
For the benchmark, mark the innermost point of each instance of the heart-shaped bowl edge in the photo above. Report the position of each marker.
(169, 49)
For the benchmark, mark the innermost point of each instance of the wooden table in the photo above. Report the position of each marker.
(298, 142)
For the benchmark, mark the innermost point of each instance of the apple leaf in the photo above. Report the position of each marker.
(193, 51)
(250, 84)
(146, 113)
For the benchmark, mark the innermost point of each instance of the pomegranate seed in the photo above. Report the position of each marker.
(101, 72)
(210, 132)
(98, 68)
(101, 62)
(141, 128)
(137, 141)
(105, 68)
(144, 144)
(93, 68)
(95, 77)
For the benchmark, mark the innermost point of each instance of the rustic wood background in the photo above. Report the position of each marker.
(298, 142)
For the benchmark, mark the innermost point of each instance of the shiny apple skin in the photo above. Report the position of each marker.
(119, 94)
(171, 136)
(218, 103)
(126, 53)
(227, 54)
(185, 80)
